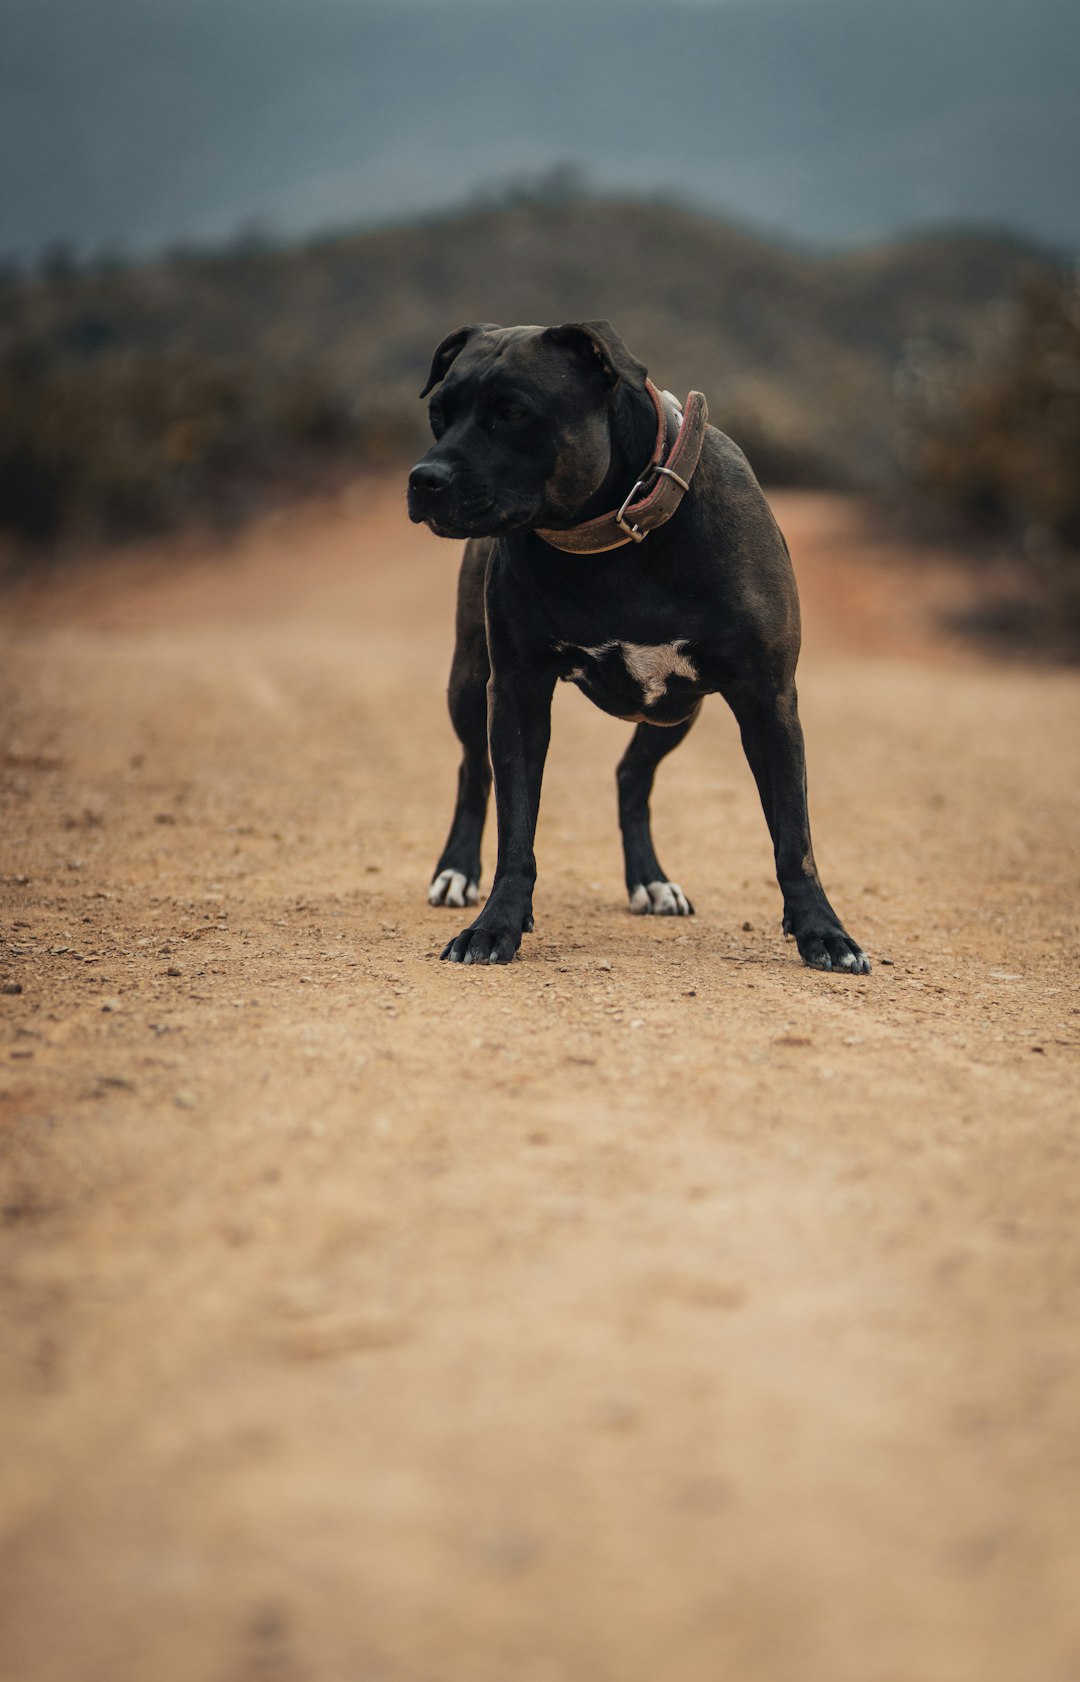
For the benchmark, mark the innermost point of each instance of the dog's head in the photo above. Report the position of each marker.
(525, 421)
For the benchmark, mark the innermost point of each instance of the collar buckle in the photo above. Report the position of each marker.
(650, 503)
(620, 518)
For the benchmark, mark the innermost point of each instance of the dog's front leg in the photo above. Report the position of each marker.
(519, 728)
(773, 741)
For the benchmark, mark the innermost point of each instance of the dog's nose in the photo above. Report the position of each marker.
(428, 478)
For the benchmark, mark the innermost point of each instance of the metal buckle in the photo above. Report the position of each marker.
(623, 524)
(671, 474)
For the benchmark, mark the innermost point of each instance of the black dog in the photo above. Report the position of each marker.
(624, 546)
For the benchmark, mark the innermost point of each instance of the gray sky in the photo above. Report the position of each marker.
(140, 122)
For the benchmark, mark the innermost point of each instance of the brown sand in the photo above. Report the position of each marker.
(653, 1310)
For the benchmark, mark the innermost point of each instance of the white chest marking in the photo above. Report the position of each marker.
(650, 664)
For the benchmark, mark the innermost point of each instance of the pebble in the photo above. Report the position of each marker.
(185, 1100)
(174, 969)
(11, 987)
(111, 1004)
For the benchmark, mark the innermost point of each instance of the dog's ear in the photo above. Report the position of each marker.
(450, 347)
(597, 343)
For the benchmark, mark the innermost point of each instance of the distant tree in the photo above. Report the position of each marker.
(997, 438)
(562, 184)
(58, 261)
(995, 441)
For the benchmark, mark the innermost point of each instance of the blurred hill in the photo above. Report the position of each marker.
(134, 397)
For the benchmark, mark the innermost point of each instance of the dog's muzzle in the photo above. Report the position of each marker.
(444, 497)
(429, 483)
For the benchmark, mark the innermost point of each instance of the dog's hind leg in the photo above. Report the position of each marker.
(457, 875)
(651, 892)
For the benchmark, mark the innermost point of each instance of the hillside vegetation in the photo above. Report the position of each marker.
(991, 445)
(135, 398)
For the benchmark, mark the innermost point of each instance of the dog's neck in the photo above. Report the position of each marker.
(633, 438)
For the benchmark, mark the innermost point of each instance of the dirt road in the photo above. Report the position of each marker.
(653, 1310)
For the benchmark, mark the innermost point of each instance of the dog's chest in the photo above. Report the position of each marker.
(641, 682)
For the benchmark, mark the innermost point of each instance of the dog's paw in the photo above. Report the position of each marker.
(832, 949)
(452, 887)
(659, 899)
(496, 945)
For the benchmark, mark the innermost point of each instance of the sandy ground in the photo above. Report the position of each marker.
(653, 1310)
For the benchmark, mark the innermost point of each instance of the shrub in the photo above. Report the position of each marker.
(128, 443)
(994, 442)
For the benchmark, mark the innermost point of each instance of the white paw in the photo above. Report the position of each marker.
(450, 887)
(660, 899)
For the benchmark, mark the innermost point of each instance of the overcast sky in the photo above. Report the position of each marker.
(141, 122)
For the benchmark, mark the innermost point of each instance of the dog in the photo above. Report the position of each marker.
(617, 542)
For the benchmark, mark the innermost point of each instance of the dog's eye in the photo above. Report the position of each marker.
(437, 421)
(513, 414)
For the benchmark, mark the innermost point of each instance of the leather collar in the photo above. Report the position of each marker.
(672, 471)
